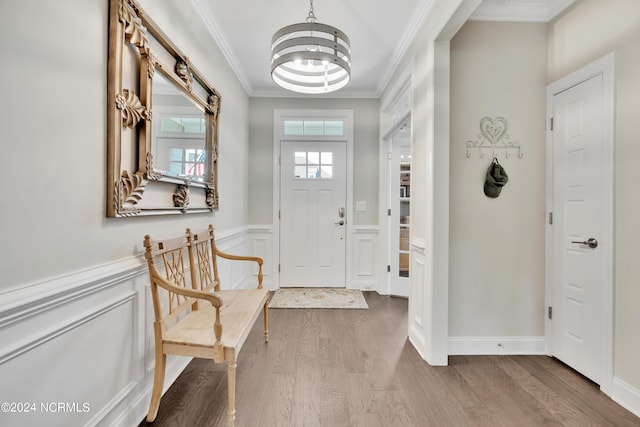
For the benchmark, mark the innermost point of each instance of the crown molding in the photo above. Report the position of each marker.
(224, 46)
(406, 40)
(519, 10)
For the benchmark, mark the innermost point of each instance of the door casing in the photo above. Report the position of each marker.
(604, 66)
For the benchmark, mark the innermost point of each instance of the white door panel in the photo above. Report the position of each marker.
(312, 233)
(578, 194)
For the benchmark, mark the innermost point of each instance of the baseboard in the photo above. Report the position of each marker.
(497, 345)
(138, 408)
(626, 395)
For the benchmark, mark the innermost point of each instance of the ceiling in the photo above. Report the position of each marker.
(379, 31)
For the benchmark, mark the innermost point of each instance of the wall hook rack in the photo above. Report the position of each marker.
(493, 136)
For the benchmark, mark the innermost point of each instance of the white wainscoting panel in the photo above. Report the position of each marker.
(417, 331)
(261, 245)
(365, 258)
(362, 274)
(79, 350)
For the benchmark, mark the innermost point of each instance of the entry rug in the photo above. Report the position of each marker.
(318, 298)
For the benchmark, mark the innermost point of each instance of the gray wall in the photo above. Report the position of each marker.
(496, 268)
(366, 143)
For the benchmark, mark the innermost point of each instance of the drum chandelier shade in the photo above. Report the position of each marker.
(310, 57)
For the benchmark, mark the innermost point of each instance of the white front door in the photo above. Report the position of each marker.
(312, 214)
(578, 229)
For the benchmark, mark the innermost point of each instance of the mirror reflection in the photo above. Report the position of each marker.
(179, 131)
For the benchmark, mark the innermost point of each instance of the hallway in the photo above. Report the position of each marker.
(357, 368)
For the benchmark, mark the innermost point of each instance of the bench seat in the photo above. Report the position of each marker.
(240, 308)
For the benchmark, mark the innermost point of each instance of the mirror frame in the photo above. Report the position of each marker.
(134, 187)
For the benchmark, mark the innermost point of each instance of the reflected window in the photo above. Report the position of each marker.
(182, 125)
(188, 162)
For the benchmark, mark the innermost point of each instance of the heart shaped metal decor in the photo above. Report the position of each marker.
(493, 136)
(493, 129)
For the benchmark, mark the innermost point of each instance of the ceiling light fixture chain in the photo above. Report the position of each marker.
(310, 57)
(312, 16)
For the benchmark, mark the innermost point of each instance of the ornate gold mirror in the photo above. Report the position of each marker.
(162, 122)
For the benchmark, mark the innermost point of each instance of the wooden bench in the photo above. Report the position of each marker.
(193, 317)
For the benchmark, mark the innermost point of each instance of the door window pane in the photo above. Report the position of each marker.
(313, 172)
(300, 158)
(327, 158)
(313, 165)
(327, 171)
(314, 158)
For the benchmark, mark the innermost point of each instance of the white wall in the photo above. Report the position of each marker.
(583, 34)
(496, 258)
(74, 302)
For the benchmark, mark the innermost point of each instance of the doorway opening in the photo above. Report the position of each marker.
(580, 230)
(312, 190)
(399, 207)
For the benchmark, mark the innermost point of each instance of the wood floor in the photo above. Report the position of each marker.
(357, 368)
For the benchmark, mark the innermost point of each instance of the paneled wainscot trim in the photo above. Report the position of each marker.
(364, 272)
(85, 340)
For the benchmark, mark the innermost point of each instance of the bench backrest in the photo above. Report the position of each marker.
(203, 248)
(188, 262)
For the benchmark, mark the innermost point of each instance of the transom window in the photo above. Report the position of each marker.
(314, 127)
(313, 165)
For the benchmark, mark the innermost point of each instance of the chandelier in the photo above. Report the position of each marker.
(310, 57)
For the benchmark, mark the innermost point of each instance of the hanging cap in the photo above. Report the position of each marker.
(495, 180)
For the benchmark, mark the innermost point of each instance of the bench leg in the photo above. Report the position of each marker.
(158, 382)
(266, 322)
(231, 384)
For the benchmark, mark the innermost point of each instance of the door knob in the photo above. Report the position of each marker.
(592, 243)
(341, 222)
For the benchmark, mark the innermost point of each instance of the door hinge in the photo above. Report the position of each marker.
(388, 212)
(279, 215)
(550, 312)
(388, 269)
(278, 268)
(550, 218)
(551, 123)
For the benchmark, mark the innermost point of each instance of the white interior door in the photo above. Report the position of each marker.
(399, 210)
(579, 199)
(312, 214)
